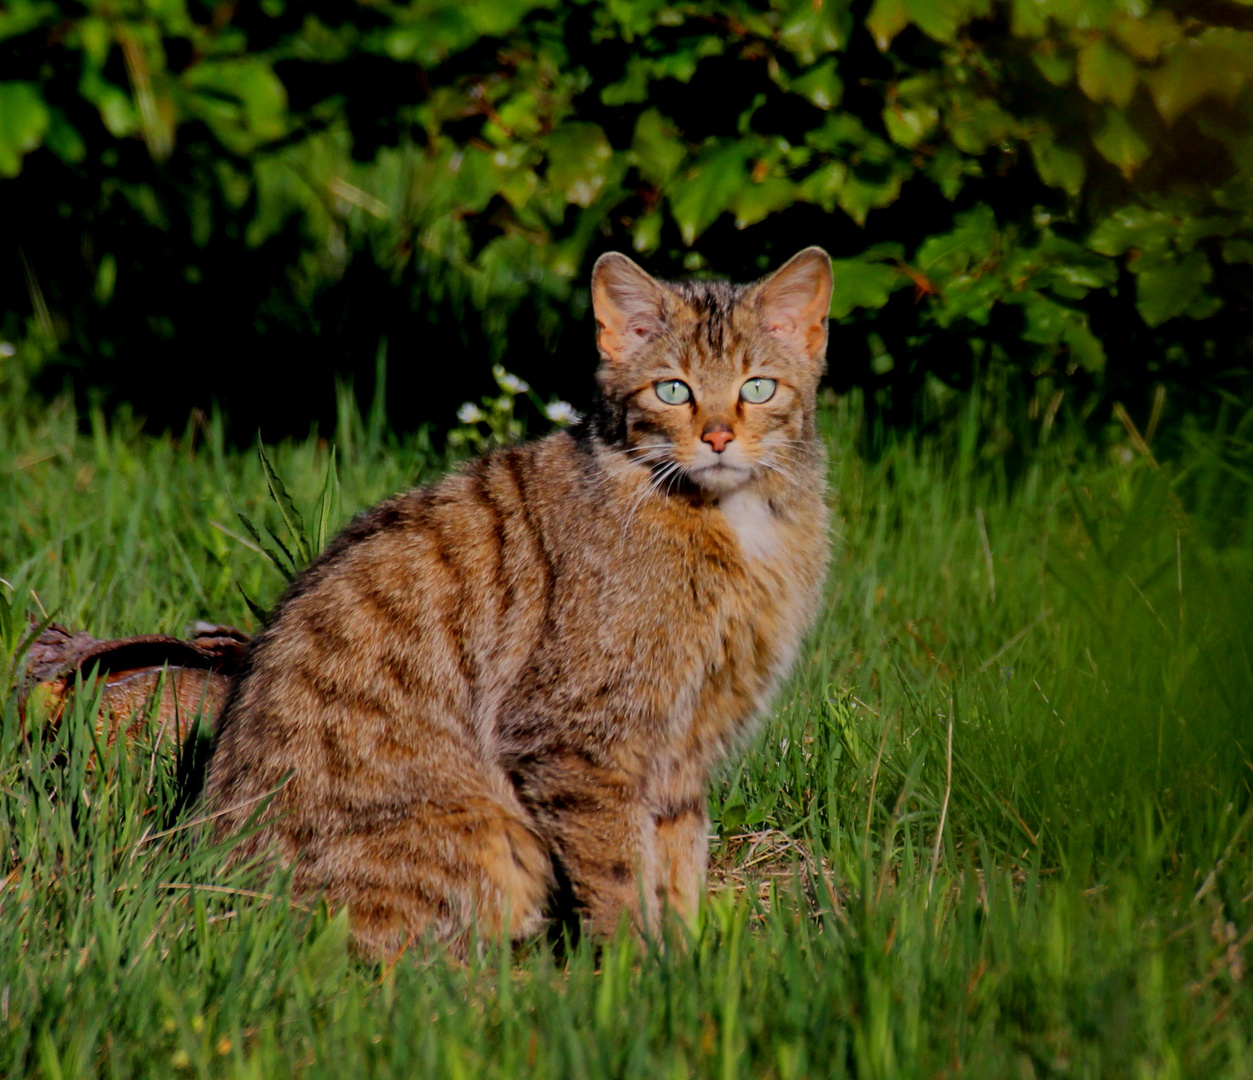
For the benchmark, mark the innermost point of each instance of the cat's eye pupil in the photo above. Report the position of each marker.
(758, 390)
(673, 391)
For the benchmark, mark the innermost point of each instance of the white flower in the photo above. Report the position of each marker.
(7, 349)
(561, 412)
(507, 381)
(469, 413)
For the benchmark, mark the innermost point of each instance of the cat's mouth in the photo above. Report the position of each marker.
(719, 476)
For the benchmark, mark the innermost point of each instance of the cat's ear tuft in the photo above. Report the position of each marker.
(795, 300)
(628, 306)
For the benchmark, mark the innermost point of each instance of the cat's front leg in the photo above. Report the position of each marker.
(682, 842)
(603, 833)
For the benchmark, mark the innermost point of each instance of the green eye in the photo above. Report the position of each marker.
(673, 391)
(755, 391)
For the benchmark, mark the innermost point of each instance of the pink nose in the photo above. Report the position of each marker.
(718, 435)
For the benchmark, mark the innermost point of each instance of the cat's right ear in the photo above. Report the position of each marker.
(628, 304)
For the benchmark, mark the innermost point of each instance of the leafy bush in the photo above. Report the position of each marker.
(1048, 201)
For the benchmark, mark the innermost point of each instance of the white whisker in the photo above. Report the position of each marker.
(775, 467)
(647, 453)
(677, 475)
(787, 445)
(670, 469)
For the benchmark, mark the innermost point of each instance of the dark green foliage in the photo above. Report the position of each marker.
(1047, 201)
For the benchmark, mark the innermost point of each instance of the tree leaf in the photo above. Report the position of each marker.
(967, 296)
(1132, 226)
(1166, 287)
(1238, 251)
(709, 187)
(1106, 73)
(756, 201)
(973, 239)
(861, 283)
(63, 139)
(1056, 66)
(242, 101)
(913, 111)
(1069, 269)
(1120, 144)
(1050, 323)
(822, 187)
(516, 180)
(1145, 38)
(820, 85)
(949, 168)
(1192, 230)
(646, 232)
(1057, 165)
(979, 122)
(812, 28)
(1028, 19)
(865, 190)
(1191, 71)
(579, 157)
(656, 149)
(940, 19)
(1203, 306)
(23, 120)
(887, 18)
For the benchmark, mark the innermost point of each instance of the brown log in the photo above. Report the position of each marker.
(194, 677)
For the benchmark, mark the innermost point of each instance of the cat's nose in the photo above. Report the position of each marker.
(717, 435)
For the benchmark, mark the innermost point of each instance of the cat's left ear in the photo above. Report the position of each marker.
(795, 300)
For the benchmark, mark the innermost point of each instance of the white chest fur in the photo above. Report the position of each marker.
(754, 525)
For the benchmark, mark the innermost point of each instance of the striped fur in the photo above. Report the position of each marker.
(526, 671)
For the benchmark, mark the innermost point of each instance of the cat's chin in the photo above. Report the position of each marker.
(720, 479)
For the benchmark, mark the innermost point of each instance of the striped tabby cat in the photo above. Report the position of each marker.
(524, 673)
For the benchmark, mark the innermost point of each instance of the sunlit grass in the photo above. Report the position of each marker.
(1058, 670)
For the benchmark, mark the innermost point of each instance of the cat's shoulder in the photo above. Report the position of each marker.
(557, 468)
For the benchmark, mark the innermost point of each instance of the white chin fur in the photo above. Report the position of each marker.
(754, 526)
(719, 479)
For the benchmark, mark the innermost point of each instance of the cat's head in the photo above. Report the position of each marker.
(710, 383)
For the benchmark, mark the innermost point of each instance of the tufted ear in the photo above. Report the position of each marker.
(629, 306)
(795, 300)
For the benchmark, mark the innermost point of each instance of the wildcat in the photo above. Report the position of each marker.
(525, 672)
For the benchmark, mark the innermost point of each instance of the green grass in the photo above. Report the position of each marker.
(1084, 637)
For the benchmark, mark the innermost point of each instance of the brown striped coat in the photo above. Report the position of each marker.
(526, 672)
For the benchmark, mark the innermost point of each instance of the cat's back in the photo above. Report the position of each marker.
(517, 578)
(434, 602)
(415, 599)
